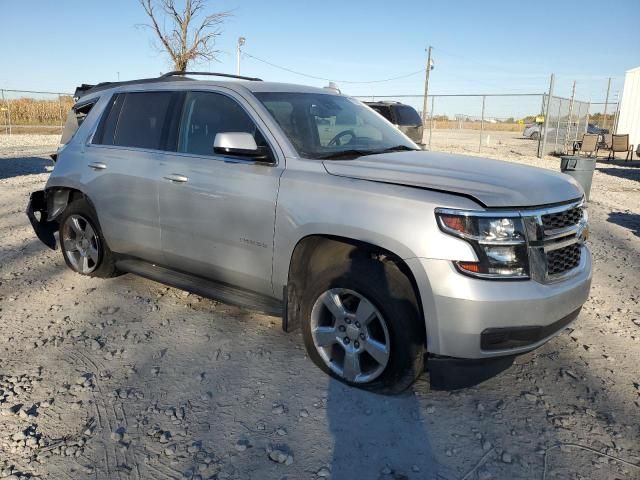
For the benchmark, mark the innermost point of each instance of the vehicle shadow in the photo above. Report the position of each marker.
(628, 220)
(621, 169)
(19, 166)
(377, 436)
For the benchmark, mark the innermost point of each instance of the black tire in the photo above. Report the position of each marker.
(534, 136)
(392, 294)
(105, 265)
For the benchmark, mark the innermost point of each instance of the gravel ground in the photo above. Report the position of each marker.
(125, 378)
(505, 144)
(25, 144)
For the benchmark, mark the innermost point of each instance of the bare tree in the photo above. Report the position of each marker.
(192, 35)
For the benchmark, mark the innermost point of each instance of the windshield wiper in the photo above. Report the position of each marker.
(354, 153)
(397, 148)
(346, 154)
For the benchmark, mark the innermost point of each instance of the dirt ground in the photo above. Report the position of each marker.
(128, 379)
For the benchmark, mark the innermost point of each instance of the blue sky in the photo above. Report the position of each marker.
(479, 47)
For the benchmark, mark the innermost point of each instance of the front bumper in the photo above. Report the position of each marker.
(514, 316)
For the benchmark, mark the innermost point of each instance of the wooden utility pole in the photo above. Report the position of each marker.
(426, 87)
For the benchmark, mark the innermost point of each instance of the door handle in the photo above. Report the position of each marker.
(176, 178)
(97, 165)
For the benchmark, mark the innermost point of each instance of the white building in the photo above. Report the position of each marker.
(629, 117)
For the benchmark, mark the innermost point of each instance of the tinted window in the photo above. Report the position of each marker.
(384, 111)
(143, 120)
(75, 118)
(206, 114)
(407, 115)
(109, 121)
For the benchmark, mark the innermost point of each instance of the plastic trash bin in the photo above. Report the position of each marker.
(580, 168)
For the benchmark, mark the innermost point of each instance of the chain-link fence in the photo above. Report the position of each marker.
(500, 124)
(604, 114)
(565, 122)
(31, 112)
(504, 125)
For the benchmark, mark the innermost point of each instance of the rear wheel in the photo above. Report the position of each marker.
(534, 136)
(361, 325)
(83, 246)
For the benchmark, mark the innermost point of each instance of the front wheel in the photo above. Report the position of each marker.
(361, 325)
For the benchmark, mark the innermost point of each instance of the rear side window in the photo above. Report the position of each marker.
(143, 119)
(138, 119)
(109, 122)
(76, 116)
(407, 115)
(384, 111)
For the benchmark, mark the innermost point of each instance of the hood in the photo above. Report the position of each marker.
(492, 183)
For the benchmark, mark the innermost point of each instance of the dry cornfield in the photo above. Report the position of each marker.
(31, 111)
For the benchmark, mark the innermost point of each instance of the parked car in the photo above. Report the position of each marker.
(404, 117)
(383, 254)
(534, 130)
(592, 128)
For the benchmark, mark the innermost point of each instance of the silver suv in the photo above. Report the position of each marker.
(308, 205)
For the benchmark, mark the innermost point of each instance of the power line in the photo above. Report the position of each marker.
(331, 79)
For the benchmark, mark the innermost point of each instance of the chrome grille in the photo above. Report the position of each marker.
(563, 219)
(563, 259)
(555, 236)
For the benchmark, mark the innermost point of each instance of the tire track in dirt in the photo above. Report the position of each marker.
(96, 405)
(99, 403)
(161, 473)
(130, 457)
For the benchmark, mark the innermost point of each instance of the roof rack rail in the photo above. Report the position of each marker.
(213, 74)
(84, 89)
(386, 102)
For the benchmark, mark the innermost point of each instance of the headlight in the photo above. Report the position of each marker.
(499, 242)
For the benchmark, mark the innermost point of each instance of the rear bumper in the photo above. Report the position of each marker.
(474, 319)
(37, 212)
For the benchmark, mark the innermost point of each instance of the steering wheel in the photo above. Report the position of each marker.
(344, 133)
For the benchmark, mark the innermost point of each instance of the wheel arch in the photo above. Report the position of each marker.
(59, 197)
(45, 208)
(316, 252)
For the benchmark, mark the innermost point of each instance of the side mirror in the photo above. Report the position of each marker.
(240, 144)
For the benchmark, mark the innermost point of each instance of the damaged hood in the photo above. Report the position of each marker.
(493, 183)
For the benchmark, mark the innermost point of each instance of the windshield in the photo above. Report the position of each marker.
(322, 126)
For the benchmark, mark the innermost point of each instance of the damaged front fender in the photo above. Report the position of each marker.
(38, 214)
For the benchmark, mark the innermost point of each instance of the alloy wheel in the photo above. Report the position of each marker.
(81, 244)
(350, 335)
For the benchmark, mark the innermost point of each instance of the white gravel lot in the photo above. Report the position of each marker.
(24, 144)
(125, 378)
